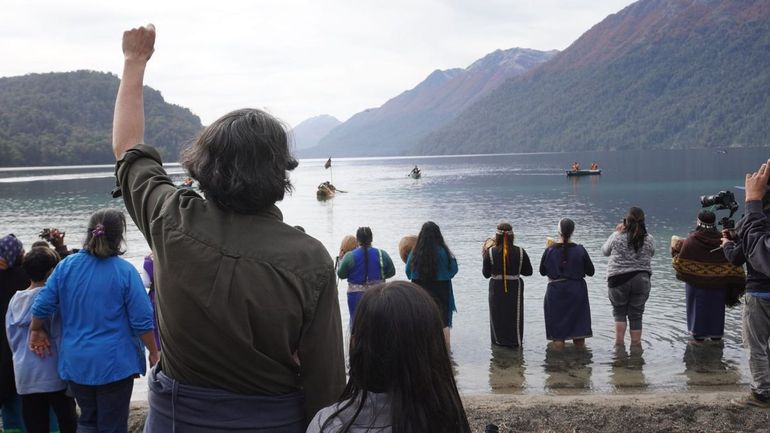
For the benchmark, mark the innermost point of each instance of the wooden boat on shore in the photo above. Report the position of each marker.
(571, 173)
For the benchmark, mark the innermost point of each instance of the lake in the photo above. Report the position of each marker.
(467, 196)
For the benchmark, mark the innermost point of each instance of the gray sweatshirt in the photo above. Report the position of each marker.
(623, 258)
(374, 416)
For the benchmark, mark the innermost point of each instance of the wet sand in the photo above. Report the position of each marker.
(707, 411)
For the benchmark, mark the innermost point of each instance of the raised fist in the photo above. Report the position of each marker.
(139, 43)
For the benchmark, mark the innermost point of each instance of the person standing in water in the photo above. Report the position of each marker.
(364, 267)
(630, 249)
(504, 264)
(567, 311)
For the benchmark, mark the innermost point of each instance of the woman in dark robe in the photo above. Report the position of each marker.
(504, 264)
(567, 311)
(711, 282)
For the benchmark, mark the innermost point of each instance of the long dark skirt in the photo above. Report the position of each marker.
(705, 312)
(439, 291)
(506, 315)
(567, 312)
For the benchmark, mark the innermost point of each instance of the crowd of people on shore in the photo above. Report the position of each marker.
(247, 311)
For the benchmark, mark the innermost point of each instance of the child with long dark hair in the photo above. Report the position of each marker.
(400, 377)
(567, 311)
(630, 249)
(431, 265)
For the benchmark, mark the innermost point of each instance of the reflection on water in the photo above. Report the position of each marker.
(704, 364)
(568, 368)
(467, 196)
(627, 369)
(506, 369)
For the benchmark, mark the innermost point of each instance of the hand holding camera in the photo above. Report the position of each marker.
(54, 236)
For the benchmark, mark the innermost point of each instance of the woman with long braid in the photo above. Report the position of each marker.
(504, 264)
(630, 250)
(364, 267)
(567, 311)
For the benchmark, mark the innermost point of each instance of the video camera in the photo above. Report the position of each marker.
(723, 200)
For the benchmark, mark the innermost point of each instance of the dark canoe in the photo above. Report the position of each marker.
(584, 172)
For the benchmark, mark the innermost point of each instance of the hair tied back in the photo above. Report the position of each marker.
(98, 231)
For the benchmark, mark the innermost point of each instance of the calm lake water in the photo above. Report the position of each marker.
(467, 196)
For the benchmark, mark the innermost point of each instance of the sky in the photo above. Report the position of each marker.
(295, 58)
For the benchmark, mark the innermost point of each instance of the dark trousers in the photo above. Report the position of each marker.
(35, 409)
(103, 408)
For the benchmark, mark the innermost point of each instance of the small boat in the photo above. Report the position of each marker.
(584, 172)
(326, 191)
(416, 173)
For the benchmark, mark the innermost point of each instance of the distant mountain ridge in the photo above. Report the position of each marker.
(658, 74)
(66, 118)
(404, 120)
(310, 131)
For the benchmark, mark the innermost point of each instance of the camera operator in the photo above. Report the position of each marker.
(751, 244)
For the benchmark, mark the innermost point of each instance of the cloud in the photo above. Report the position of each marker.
(297, 58)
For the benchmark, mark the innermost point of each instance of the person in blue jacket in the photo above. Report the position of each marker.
(105, 317)
(364, 267)
(431, 265)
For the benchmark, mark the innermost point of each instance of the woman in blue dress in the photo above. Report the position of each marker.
(567, 311)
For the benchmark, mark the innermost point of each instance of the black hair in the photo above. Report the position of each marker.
(240, 161)
(364, 238)
(106, 230)
(38, 262)
(40, 244)
(633, 224)
(425, 253)
(566, 229)
(397, 347)
(500, 237)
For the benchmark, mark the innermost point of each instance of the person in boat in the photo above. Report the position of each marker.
(415, 171)
(574, 166)
(709, 278)
(364, 268)
(567, 311)
(431, 265)
(504, 264)
(247, 304)
(630, 249)
(187, 183)
(594, 166)
(400, 375)
(577, 166)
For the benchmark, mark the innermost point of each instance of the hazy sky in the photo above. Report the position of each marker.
(295, 58)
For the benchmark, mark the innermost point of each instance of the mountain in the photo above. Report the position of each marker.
(66, 118)
(658, 74)
(403, 121)
(309, 132)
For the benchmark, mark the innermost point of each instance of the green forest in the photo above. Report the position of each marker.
(66, 118)
(691, 85)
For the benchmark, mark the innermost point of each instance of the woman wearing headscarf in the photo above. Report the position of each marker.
(12, 279)
(504, 264)
(711, 281)
(567, 311)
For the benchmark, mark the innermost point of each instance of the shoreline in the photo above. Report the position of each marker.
(688, 411)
